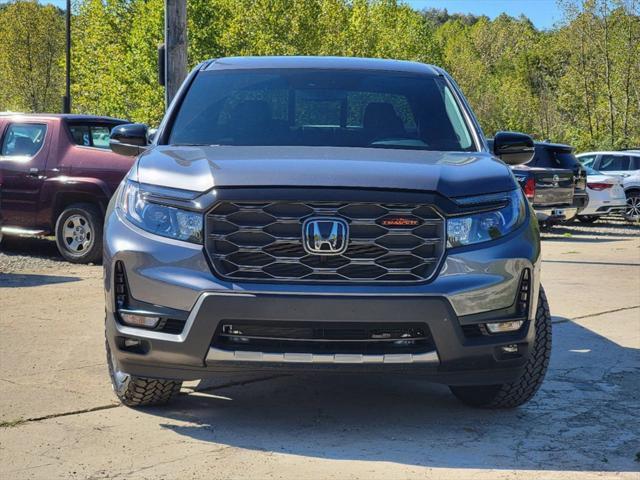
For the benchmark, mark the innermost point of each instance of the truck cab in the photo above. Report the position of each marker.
(55, 168)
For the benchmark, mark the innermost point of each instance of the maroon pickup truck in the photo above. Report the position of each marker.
(58, 174)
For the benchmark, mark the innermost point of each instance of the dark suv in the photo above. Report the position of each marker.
(554, 182)
(338, 214)
(58, 174)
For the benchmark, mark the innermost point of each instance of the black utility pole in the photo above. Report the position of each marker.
(66, 107)
(175, 38)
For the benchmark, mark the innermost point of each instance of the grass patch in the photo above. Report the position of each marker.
(567, 235)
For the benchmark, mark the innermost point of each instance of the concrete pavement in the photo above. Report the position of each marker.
(61, 419)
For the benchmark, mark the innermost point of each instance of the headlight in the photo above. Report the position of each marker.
(489, 225)
(157, 218)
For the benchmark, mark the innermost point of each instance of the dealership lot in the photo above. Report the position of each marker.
(61, 420)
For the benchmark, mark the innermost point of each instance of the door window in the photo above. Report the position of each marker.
(80, 134)
(100, 136)
(23, 140)
(90, 135)
(612, 163)
(587, 160)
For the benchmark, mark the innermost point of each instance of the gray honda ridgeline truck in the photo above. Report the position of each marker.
(333, 214)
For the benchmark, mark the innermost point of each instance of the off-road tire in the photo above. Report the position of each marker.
(135, 391)
(93, 217)
(511, 395)
(588, 218)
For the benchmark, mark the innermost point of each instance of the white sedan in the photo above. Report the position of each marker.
(606, 195)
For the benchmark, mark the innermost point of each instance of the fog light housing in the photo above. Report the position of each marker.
(137, 320)
(510, 349)
(503, 327)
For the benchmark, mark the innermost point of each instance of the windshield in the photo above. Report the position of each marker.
(333, 108)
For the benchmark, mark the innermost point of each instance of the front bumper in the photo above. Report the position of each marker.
(475, 285)
(457, 359)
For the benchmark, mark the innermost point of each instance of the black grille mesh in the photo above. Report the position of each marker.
(323, 337)
(263, 241)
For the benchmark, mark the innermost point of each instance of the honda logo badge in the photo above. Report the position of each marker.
(325, 236)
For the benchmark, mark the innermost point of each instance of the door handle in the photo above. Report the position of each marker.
(34, 172)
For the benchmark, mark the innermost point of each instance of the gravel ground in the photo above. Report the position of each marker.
(607, 227)
(30, 254)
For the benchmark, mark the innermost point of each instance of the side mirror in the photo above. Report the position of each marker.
(129, 139)
(513, 148)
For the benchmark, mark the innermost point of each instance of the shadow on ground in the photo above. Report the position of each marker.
(19, 280)
(583, 419)
(40, 247)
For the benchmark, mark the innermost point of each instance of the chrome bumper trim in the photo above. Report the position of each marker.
(219, 355)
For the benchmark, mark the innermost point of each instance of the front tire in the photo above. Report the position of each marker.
(135, 391)
(511, 395)
(79, 233)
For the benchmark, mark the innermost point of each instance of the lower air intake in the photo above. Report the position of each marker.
(330, 338)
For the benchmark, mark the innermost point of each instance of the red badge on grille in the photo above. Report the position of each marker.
(400, 221)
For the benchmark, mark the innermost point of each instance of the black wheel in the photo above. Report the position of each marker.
(79, 233)
(632, 213)
(135, 391)
(511, 395)
(588, 218)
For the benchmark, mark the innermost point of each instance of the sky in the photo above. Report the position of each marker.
(543, 13)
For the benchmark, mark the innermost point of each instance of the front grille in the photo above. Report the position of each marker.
(323, 337)
(263, 241)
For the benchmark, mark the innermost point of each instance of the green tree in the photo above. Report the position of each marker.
(578, 82)
(31, 57)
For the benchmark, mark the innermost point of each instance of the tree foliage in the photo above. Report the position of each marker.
(31, 48)
(578, 82)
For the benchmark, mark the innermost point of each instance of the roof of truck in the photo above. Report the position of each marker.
(337, 63)
(553, 146)
(67, 116)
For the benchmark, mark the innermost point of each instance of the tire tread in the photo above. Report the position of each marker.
(142, 391)
(511, 395)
